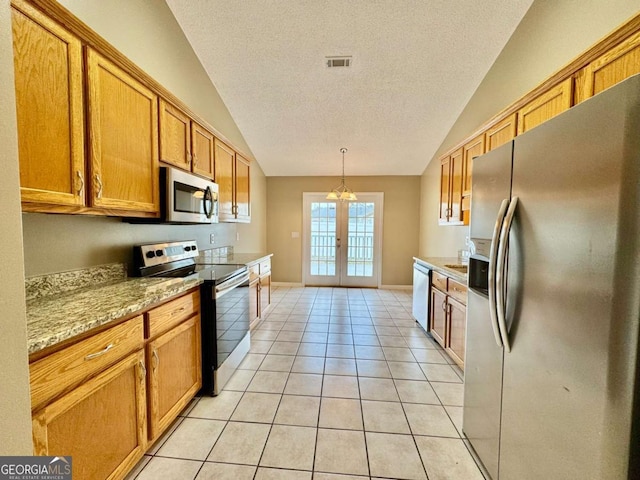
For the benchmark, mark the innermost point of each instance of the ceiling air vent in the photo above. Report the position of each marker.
(338, 61)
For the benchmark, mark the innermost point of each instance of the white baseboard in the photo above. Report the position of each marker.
(396, 287)
(287, 284)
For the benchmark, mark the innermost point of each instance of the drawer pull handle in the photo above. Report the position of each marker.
(143, 370)
(100, 353)
(156, 358)
(99, 182)
(81, 180)
(176, 312)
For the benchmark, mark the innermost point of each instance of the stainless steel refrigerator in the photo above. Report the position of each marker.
(551, 367)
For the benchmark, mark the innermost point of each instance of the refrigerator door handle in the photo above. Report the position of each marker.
(493, 255)
(500, 273)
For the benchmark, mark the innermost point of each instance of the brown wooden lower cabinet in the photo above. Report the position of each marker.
(254, 302)
(175, 373)
(438, 320)
(102, 423)
(265, 293)
(260, 287)
(457, 330)
(118, 392)
(448, 316)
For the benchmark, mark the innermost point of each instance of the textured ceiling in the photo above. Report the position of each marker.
(415, 65)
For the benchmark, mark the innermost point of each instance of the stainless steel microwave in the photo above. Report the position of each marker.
(187, 198)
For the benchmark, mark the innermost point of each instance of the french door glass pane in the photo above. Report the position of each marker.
(323, 238)
(360, 239)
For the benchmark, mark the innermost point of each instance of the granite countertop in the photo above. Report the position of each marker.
(438, 264)
(240, 258)
(62, 315)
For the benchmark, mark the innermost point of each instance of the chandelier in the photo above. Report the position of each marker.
(342, 192)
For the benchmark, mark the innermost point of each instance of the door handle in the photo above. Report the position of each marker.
(99, 182)
(500, 273)
(493, 257)
(337, 243)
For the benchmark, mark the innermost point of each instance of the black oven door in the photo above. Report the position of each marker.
(225, 323)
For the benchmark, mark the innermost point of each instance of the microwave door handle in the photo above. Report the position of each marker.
(207, 202)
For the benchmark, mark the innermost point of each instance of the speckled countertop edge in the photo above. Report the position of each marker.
(52, 319)
(438, 264)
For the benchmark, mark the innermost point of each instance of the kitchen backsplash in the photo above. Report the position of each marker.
(213, 255)
(57, 283)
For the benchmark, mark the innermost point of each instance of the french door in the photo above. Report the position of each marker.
(342, 240)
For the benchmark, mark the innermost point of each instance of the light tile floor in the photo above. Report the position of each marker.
(340, 384)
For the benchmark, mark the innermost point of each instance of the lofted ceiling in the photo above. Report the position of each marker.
(414, 66)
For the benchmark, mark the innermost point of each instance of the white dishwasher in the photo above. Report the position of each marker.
(421, 279)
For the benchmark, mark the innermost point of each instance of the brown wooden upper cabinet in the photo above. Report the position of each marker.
(474, 148)
(451, 180)
(50, 109)
(123, 139)
(224, 159)
(232, 176)
(242, 189)
(610, 68)
(500, 133)
(184, 143)
(175, 136)
(202, 142)
(546, 106)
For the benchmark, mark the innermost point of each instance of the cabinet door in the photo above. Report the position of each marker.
(224, 163)
(123, 131)
(457, 182)
(438, 316)
(254, 302)
(546, 106)
(457, 330)
(202, 148)
(474, 148)
(101, 424)
(49, 107)
(265, 293)
(175, 373)
(242, 189)
(175, 136)
(445, 189)
(612, 67)
(500, 133)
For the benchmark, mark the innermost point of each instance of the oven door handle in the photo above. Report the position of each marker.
(229, 285)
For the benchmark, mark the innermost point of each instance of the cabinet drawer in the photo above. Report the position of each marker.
(458, 291)
(265, 266)
(439, 281)
(170, 314)
(59, 371)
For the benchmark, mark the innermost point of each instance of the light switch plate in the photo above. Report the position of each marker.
(295, 234)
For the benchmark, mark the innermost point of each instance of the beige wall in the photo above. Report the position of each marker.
(148, 34)
(400, 216)
(551, 34)
(15, 410)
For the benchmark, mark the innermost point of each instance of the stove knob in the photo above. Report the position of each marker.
(159, 253)
(187, 249)
(150, 254)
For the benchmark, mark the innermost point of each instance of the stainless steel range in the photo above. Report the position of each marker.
(224, 299)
